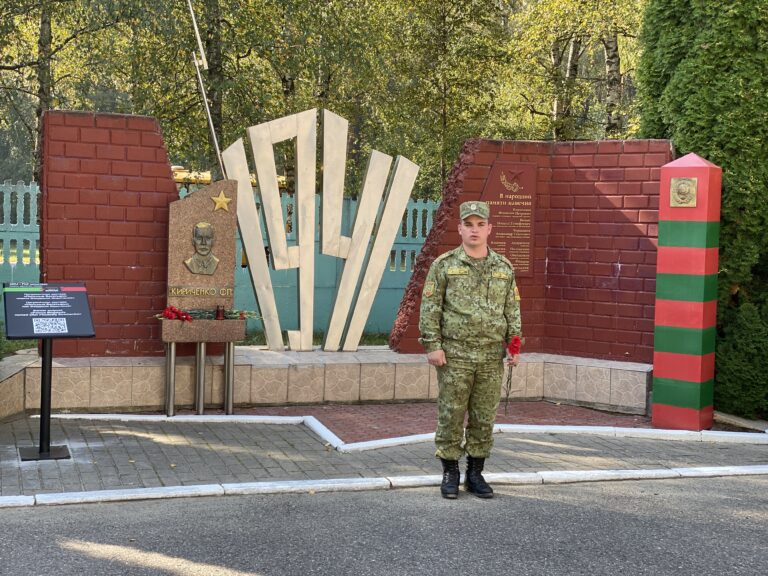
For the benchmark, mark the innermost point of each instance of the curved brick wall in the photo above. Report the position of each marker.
(592, 291)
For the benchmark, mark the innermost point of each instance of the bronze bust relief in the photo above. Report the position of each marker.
(202, 261)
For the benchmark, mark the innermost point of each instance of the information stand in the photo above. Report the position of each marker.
(46, 311)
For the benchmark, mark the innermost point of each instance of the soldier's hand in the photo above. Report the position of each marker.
(436, 358)
(513, 360)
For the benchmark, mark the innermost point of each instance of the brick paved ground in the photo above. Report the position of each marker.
(359, 423)
(109, 455)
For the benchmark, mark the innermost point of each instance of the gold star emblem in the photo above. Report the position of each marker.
(221, 201)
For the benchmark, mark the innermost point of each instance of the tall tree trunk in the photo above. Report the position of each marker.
(564, 128)
(215, 71)
(444, 90)
(44, 81)
(613, 120)
(443, 134)
(354, 143)
(556, 58)
(288, 74)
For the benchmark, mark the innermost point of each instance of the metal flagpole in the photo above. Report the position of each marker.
(204, 63)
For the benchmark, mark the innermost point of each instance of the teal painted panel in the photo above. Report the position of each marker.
(19, 235)
(416, 224)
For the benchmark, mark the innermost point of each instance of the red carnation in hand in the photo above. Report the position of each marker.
(514, 345)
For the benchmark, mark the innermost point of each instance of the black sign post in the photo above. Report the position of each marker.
(46, 311)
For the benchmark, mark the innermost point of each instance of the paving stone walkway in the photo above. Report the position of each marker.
(117, 455)
(360, 423)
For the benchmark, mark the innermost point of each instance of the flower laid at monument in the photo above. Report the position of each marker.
(174, 313)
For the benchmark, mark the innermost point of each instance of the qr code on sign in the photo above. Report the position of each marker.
(49, 325)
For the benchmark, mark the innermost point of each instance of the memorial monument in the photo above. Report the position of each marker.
(362, 268)
(201, 265)
(686, 294)
(591, 292)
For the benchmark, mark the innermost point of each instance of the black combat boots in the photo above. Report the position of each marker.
(474, 481)
(450, 485)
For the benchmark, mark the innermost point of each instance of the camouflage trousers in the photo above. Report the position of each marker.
(472, 388)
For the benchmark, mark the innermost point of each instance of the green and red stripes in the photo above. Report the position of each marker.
(686, 314)
(688, 404)
(686, 299)
(689, 234)
(685, 287)
(694, 395)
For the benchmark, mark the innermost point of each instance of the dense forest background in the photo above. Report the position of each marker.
(413, 77)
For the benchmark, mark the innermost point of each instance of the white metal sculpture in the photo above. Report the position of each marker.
(378, 184)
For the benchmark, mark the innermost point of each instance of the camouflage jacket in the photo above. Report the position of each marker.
(469, 304)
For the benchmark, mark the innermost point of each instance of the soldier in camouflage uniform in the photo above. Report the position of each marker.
(469, 311)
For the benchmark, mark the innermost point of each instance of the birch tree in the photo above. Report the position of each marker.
(566, 60)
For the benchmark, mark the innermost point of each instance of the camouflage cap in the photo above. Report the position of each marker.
(476, 208)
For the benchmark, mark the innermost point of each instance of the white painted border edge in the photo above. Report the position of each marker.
(381, 483)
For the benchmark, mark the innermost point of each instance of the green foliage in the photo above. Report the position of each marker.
(666, 35)
(704, 85)
(546, 36)
(448, 57)
(17, 137)
(742, 387)
(413, 78)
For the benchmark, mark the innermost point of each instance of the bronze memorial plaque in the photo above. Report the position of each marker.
(201, 264)
(201, 248)
(510, 191)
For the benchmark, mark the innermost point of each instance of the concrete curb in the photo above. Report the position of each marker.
(571, 476)
(360, 484)
(386, 443)
(648, 433)
(307, 486)
(757, 425)
(713, 471)
(16, 501)
(128, 494)
(320, 429)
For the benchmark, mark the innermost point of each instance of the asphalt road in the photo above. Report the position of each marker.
(675, 527)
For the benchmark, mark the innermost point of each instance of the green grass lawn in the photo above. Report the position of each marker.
(258, 339)
(10, 346)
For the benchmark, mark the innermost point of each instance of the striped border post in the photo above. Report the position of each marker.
(686, 294)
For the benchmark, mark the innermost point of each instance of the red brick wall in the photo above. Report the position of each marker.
(106, 187)
(593, 287)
